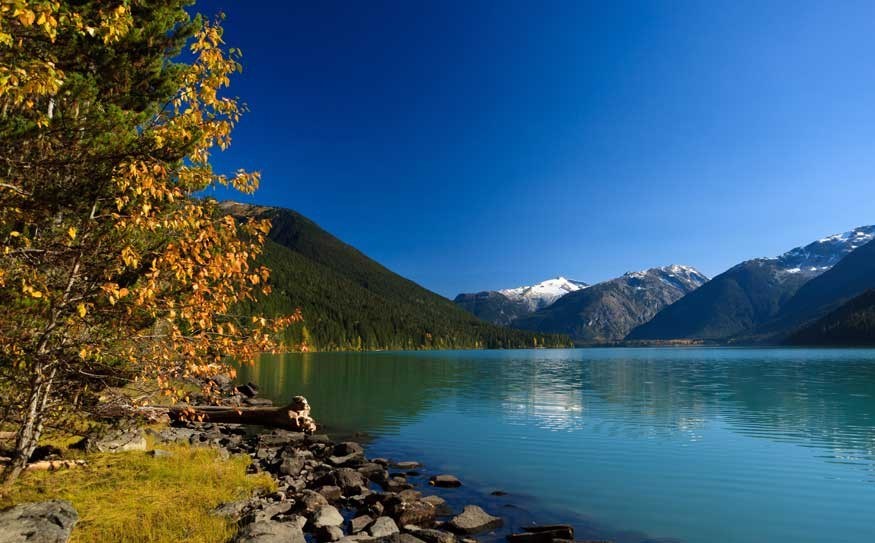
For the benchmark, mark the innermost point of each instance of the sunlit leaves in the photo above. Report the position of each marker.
(111, 265)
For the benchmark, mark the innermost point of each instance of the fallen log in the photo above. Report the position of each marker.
(295, 416)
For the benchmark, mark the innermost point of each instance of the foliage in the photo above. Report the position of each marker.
(110, 267)
(852, 324)
(350, 302)
(136, 497)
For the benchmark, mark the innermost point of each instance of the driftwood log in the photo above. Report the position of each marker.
(295, 416)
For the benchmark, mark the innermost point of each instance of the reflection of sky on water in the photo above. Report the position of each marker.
(701, 444)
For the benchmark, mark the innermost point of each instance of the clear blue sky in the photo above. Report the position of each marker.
(471, 145)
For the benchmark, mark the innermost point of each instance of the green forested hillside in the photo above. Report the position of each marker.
(352, 302)
(850, 324)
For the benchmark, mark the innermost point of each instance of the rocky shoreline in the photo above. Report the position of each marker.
(326, 491)
(331, 492)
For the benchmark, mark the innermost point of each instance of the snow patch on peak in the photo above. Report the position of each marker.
(544, 293)
(823, 254)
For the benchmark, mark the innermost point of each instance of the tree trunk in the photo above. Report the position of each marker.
(295, 416)
(31, 428)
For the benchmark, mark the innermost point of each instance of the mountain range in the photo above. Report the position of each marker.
(822, 293)
(607, 311)
(506, 305)
(351, 302)
(757, 292)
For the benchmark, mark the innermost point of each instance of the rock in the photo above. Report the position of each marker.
(434, 536)
(329, 533)
(331, 493)
(117, 441)
(473, 520)
(232, 510)
(374, 472)
(291, 465)
(347, 448)
(349, 459)
(407, 465)
(250, 390)
(543, 534)
(564, 531)
(417, 512)
(268, 531)
(445, 481)
(360, 523)
(278, 438)
(174, 435)
(350, 480)
(38, 522)
(382, 527)
(382, 461)
(311, 501)
(440, 505)
(327, 515)
(410, 495)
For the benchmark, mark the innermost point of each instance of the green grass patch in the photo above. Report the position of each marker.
(134, 497)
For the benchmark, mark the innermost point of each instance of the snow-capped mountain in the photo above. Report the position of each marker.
(607, 311)
(544, 293)
(821, 255)
(751, 293)
(686, 278)
(503, 306)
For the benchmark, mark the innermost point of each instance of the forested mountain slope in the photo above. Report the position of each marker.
(349, 301)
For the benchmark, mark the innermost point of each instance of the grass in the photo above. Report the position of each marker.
(134, 497)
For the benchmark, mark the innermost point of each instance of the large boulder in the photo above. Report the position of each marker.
(445, 481)
(38, 522)
(417, 512)
(382, 527)
(327, 515)
(268, 531)
(434, 536)
(120, 440)
(473, 520)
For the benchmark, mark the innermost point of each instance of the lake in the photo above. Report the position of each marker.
(677, 444)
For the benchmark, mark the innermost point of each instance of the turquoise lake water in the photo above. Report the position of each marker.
(691, 445)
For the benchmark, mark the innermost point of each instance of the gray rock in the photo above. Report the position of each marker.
(350, 480)
(327, 515)
(347, 448)
(382, 527)
(407, 465)
(445, 481)
(331, 493)
(359, 524)
(268, 531)
(38, 522)
(440, 505)
(416, 512)
(473, 520)
(434, 536)
(311, 501)
(231, 510)
(292, 465)
(329, 533)
(117, 441)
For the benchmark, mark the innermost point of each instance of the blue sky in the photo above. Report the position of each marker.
(478, 145)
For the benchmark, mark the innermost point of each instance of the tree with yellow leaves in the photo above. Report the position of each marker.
(110, 265)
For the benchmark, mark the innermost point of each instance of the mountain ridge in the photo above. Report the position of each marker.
(607, 311)
(750, 293)
(351, 302)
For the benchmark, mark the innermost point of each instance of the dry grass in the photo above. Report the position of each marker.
(134, 497)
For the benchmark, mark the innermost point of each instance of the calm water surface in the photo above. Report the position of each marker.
(692, 445)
